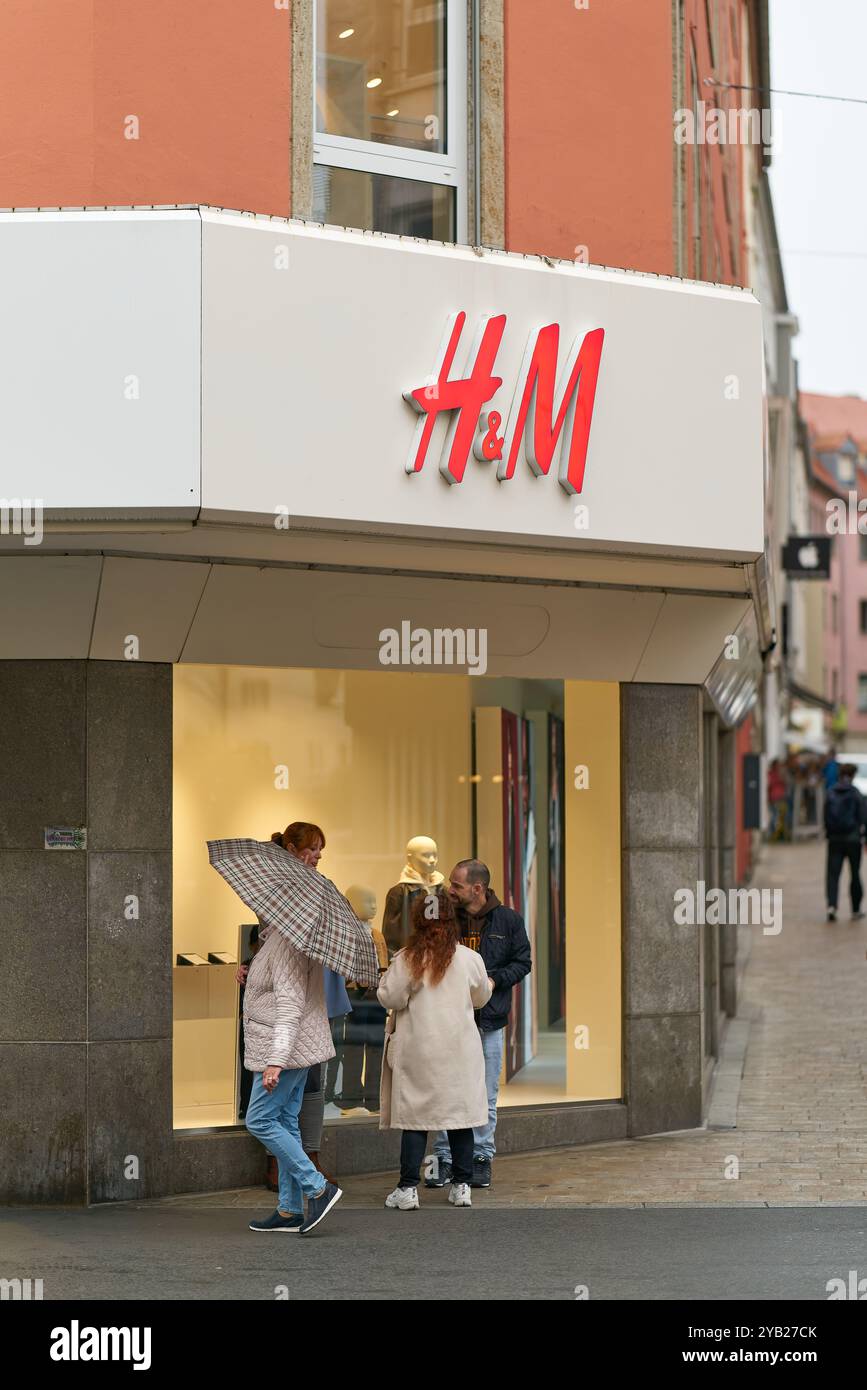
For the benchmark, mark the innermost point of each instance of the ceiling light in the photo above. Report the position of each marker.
(395, 112)
(375, 82)
(346, 33)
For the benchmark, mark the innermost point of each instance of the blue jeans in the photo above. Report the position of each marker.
(272, 1118)
(483, 1136)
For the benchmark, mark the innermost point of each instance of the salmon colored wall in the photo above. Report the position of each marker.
(209, 83)
(715, 249)
(589, 131)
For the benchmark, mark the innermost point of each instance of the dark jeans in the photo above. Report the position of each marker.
(838, 852)
(412, 1147)
(332, 1066)
(363, 1039)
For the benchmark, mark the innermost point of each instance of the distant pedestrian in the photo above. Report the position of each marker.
(831, 770)
(845, 819)
(433, 1071)
(778, 792)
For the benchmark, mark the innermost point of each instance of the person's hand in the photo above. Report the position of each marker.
(241, 974)
(270, 1077)
(491, 983)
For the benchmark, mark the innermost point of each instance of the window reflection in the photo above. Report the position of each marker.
(381, 71)
(381, 203)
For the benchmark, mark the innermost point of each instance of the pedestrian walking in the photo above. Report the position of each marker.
(305, 842)
(286, 1031)
(778, 794)
(500, 937)
(845, 819)
(433, 1067)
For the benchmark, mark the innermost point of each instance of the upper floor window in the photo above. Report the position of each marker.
(390, 119)
(845, 468)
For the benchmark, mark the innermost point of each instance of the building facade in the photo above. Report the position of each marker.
(362, 493)
(835, 429)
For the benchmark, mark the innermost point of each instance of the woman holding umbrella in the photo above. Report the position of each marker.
(286, 1030)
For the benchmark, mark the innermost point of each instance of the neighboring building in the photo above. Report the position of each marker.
(836, 428)
(263, 443)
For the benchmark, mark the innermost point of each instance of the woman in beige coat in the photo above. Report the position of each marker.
(433, 1070)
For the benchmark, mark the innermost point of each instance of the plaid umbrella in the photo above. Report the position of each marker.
(302, 904)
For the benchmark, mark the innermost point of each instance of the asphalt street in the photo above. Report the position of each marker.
(154, 1253)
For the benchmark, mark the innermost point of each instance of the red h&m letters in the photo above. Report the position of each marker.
(535, 418)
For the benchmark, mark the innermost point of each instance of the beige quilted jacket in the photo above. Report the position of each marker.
(285, 1023)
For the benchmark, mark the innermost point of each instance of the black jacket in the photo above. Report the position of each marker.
(844, 804)
(505, 948)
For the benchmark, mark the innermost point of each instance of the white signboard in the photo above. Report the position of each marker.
(99, 362)
(314, 339)
(191, 362)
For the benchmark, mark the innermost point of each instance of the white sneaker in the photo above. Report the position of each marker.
(459, 1196)
(403, 1198)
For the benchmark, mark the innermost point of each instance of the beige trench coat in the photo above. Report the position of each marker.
(433, 1070)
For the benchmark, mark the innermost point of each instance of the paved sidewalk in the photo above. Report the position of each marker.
(801, 1136)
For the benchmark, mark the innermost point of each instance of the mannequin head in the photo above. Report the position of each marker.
(421, 855)
(362, 901)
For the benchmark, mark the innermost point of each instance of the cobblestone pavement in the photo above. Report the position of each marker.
(801, 1136)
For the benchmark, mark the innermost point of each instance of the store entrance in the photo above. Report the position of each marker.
(394, 766)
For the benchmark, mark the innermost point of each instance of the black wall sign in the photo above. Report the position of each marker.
(807, 557)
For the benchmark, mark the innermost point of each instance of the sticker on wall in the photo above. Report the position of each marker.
(65, 837)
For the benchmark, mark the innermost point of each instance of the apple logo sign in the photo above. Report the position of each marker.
(808, 556)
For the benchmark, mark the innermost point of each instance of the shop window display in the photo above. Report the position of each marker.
(408, 773)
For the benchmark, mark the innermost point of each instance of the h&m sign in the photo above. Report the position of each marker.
(541, 417)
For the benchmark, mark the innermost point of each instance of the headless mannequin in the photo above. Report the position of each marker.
(364, 1028)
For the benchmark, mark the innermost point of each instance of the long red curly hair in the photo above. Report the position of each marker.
(434, 938)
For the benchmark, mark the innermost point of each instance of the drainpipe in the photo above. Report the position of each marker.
(477, 125)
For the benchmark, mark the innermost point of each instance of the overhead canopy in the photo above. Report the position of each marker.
(218, 413)
(189, 362)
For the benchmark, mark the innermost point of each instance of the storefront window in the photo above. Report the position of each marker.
(377, 758)
(390, 116)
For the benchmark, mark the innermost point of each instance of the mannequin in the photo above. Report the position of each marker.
(419, 875)
(363, 904)
(364, 1028)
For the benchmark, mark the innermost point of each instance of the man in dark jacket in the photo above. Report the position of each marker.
(499, 935)
(845, 818)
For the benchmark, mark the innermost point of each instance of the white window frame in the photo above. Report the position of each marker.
(369, 157)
